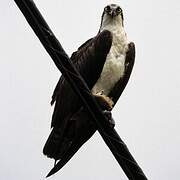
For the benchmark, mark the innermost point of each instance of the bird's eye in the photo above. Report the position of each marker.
(118, 9)
(107, 8)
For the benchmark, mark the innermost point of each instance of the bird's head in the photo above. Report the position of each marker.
(113, 10)
(112, 13)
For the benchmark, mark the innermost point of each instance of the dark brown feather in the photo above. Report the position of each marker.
(89, 61)
(116, 92)
(77, 127)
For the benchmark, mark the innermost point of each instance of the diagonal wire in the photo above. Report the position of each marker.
(61, 60)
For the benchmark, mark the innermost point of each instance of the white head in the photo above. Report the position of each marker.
(112, 14)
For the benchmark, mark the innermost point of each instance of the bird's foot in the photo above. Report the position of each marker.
(104, 101)
(109, 118)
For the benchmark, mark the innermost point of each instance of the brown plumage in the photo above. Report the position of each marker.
(89, 61)
(71, 123)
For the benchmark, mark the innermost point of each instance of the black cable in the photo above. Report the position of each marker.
(61, 60)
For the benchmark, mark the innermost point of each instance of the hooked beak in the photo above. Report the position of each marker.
(112, 13)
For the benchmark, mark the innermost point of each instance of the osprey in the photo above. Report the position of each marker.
(105, 62)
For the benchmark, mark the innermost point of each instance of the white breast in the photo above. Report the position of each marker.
(113, 68)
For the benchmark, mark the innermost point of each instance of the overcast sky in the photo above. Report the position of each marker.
(147, 115)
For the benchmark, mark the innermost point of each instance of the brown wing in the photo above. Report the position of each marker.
(121, 84)
(80, 127)
(89, 61)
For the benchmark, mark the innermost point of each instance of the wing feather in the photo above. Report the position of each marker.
(89, 61)
(121, 84)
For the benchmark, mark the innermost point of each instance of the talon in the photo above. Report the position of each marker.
(104, 101)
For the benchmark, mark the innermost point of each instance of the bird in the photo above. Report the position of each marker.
(105, 62)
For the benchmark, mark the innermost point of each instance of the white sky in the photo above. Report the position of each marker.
(147, 115)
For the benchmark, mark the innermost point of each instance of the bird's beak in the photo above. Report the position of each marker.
(112, 13)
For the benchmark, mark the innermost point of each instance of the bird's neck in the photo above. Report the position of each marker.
(112, 24)
(115, 26)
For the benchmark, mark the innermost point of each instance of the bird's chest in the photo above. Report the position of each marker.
(114, 67)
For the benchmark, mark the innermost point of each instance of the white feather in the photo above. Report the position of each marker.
(114, 67)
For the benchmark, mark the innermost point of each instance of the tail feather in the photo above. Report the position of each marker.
(67, 156)
(73, 148)
(62, 147)
(55, 146)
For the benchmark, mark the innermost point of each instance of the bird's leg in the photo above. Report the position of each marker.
(104, 101)
(106, 104)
